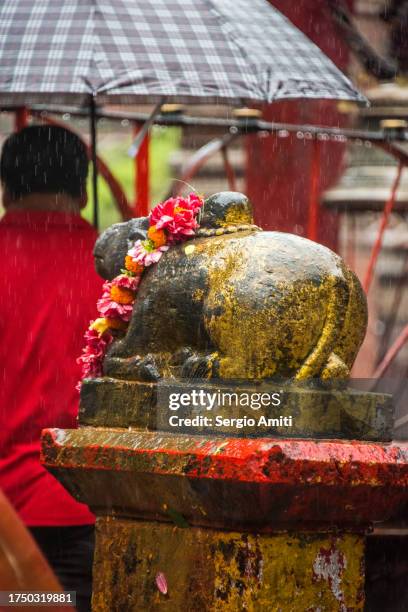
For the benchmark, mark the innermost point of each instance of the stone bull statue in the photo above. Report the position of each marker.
(236, 302)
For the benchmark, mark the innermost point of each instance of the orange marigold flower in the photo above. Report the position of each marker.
(117, 323)
(133, 266)
(121, 295)
(158, 237)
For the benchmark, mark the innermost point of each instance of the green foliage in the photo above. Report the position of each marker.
(115, 154)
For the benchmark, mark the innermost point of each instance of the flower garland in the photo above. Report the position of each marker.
(170, 222)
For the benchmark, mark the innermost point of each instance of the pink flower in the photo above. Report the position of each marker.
(145, 253)
(195, 201)
(94, 352)
(110, 309)
(177, 216)
(128, 282)
(161, 583)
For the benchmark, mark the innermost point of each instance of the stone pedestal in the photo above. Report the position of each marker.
(257, 517)
(209, 569)
(233, 524)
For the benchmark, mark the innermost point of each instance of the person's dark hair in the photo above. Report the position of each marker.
(43, 159)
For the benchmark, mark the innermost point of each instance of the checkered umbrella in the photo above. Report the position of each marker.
(125, 51)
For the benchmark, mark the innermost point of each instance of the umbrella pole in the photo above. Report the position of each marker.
(94, 163)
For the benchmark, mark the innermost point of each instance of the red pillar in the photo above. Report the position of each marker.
(314, 203)
(141, 204)
(21, 118)
(279, 170)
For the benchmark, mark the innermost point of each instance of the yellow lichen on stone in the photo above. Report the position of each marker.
(198, 295)
(238, 215)
(269, 304)
(279, 323)
(289, 573)
(336, 297)
(216, 571)
(355, 319)
(281, 329)
(189, 249)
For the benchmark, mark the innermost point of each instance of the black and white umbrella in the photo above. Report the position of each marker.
(126, 51)
(84, 52)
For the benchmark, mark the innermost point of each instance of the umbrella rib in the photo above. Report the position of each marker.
(232, 38)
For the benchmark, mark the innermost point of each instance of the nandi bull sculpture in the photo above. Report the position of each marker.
(236, 303)
(222, 508)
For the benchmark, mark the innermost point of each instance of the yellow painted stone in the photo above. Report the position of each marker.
(302, 327)
(189, 249)
(238, 214)
(208, 570)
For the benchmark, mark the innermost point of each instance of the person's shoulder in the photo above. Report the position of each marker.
(5, 219)
(79, 222)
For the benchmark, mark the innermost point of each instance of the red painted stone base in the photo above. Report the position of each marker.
(261, 484)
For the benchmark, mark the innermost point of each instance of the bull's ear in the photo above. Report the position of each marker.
(113, 244)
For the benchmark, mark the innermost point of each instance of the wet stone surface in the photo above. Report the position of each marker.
(331, 413)
(240, 303)
(207, 570)
(258, 484)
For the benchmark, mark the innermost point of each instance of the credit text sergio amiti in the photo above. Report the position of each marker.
(201, 399)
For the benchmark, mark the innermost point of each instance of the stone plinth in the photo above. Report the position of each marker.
(275, 524)
(208, 569)
(230, 483)
(316, 413)
(260, 519)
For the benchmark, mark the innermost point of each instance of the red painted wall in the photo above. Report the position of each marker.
(278, 170)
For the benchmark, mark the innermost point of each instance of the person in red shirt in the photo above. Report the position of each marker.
(48, 293)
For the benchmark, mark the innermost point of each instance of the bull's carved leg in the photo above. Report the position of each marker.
(200, 365)
(144, 368)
